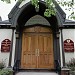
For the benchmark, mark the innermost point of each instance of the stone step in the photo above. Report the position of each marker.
(37, 73)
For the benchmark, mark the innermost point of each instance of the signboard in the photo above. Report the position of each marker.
(5, 45)
(68, 45)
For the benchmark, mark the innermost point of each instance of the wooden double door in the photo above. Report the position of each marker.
(37, 49)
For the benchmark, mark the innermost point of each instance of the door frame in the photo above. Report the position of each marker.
(47, 33)
(18, 47)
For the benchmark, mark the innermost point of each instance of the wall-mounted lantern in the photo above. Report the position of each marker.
(57, 34)
(17, 34)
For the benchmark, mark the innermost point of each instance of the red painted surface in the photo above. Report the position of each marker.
(5, 45)
(68, 45)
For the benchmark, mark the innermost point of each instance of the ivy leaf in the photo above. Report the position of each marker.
(20, 0)
(7, 1)
(34, 2)
(72, 13)
(73, 17)
(49, 12)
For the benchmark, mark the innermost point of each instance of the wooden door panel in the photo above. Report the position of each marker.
(45, 47)
(37, 48)
(28, 59)
(46, 61)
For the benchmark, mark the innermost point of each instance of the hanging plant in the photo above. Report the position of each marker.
(49, 4)
(35, 3)
(50, 7)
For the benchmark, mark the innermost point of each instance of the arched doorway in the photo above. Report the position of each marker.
(19, 21)
(37, 48)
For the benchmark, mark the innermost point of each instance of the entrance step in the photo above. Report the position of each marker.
(37, 73)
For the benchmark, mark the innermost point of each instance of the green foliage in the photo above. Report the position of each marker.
(35, 3)
(6, 72)
(48, 2)
(70, 6)
(72, 15)
(20, 0)
(50, 10)
(66, 3)
(2, 65)
(7, 1)
(3, 70)
(71, 64)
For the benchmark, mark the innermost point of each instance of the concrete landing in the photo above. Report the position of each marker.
(36, 73)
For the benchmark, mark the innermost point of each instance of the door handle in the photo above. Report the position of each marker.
(38, 53)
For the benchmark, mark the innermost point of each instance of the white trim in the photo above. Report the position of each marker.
(61, 56)
(23, 3)
(13, 49)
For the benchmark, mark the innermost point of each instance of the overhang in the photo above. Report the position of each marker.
(24, 13)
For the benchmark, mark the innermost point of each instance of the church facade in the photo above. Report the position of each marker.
(29, 40)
